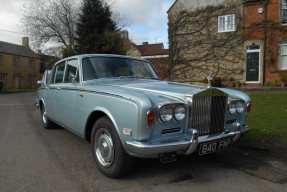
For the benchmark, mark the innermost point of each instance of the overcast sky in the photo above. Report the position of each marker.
(146, 19)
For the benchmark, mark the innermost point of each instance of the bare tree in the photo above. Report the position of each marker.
(51, 20)
(197, 48)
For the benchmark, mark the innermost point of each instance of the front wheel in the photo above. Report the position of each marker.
(111, 158)
(46, 122)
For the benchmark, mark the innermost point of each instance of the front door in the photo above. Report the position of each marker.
(17, 81)
(252, 68)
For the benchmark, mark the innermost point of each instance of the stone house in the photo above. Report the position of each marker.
(155, 53)
(206, 39)
(240, 39)
(19, 66)
(158, 56)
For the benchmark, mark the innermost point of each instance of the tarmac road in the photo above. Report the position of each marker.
(35, 159)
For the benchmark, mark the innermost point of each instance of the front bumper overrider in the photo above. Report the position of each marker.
(185, 146)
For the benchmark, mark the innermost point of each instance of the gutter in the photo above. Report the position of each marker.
(265, 42)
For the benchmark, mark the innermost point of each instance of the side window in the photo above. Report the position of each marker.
(60, 72)
(53, 74)
(71, 71)
(48, 76)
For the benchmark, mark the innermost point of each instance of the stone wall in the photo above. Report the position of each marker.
(197, 48)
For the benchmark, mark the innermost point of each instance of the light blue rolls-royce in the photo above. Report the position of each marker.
(120, 106)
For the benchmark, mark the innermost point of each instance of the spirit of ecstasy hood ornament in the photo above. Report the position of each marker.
(210, 80)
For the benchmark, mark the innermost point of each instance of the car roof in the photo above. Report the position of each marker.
(103, 55)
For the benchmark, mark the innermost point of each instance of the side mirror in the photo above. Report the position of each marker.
(39, 82)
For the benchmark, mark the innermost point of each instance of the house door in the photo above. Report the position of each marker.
(252, 66)
(17, 80)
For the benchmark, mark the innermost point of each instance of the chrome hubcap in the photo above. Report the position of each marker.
(104, 147)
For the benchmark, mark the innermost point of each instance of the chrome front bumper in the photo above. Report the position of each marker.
(187, 147)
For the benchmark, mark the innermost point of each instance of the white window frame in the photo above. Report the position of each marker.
(283, 7)
(227, 24)
(283, 54)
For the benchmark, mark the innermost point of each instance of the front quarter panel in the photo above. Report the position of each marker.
(123, 112)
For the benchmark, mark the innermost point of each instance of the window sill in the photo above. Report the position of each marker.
(226, 31)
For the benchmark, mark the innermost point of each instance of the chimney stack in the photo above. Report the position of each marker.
(25, 42)
(125, 34)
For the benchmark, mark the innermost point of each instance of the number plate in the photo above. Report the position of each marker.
(212, 146)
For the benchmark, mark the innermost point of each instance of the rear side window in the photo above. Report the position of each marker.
(60, 68)
(71, 71)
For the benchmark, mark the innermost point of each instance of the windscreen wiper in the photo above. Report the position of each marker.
(136, 77)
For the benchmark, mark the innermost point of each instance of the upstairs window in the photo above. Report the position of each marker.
(16, 61)
(226, 23)
(284, 11)
(32, 63)
(1, 60)
(284, 56)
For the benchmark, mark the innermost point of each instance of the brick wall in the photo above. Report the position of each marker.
(272, 34)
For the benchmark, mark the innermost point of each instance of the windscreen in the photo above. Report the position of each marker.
(114, 67)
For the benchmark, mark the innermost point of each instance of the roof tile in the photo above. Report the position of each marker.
(152, 49)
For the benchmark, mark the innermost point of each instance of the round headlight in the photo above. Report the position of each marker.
(166, 114)
(179, 113)
(240, 107)
(232, 108)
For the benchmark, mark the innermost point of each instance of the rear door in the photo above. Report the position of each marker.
(53, 89)
(66, 96)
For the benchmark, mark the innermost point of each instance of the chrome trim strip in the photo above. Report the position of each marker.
(146, 149)
(221, 136)
(94, 91)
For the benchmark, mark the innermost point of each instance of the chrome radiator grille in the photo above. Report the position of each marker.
(208, 114)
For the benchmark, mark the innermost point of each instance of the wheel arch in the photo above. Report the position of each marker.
(41, 104)
(93, 117)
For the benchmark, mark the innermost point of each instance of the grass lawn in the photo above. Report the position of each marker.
(268, 116)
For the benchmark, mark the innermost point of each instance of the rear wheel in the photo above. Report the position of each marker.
(46, 122)
(109, 154)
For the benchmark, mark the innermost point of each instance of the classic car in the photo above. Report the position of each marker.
(119, 105)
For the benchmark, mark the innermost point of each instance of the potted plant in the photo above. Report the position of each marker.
(237, 84)
(283, 79)
(230, 82)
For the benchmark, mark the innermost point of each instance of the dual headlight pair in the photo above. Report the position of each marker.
(168, 113)
(236, 107)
